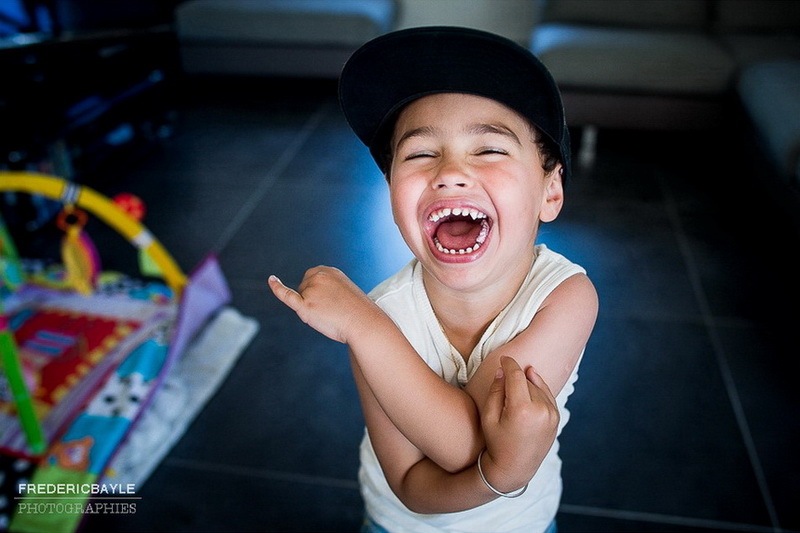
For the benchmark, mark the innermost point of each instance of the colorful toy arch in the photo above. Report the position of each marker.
(80, 364)
(86, 198)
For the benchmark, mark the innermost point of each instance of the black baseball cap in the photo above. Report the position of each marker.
(396, 68)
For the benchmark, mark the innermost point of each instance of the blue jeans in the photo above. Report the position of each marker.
(369, 526)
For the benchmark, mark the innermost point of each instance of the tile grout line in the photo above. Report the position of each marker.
(262, 473)
(719, 352)
(658, 518)
(246, 283)
(272, 174)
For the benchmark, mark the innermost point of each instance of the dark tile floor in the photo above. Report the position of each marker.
(685, 416)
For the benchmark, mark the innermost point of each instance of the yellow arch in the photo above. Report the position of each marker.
(94, 202)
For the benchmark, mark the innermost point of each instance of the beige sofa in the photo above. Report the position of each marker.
(298, 38)
(679, 64)
(658, 63)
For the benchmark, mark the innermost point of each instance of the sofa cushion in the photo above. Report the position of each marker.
(683, 14)
(632, 60)
(759, 30)
(769, 16)
(770, 93)
(295, 22)
(748, 48)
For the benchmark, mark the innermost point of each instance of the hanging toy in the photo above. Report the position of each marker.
(11, 276)
(131, 204)
(135, 208)
(80, 257)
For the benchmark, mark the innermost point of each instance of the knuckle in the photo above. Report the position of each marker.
(517, 373)
(311, 271)
(537, 416)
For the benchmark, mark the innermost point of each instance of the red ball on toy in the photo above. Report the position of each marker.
(131, 204)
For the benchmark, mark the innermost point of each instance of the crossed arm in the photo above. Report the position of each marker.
(428, 448)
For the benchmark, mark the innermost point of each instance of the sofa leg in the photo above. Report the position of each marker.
(588, 144)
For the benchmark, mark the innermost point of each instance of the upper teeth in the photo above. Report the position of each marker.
(457, 211)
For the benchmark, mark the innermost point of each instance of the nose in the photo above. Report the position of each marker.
(451, 175)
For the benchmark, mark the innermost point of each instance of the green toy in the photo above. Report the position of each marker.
(11, 278)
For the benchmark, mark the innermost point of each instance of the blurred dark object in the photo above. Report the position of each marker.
(69, 103)
(55, 17)
(87, 87)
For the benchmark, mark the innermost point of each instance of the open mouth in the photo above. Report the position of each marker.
(459, 230)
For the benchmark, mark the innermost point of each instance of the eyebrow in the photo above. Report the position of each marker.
(473, 129)
(424, 131)
(480, 129)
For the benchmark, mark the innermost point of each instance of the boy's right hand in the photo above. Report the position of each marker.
(520, 420)
(328, 301)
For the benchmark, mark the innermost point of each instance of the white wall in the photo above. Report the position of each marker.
(511, 18)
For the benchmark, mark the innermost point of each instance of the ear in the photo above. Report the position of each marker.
(553, 198)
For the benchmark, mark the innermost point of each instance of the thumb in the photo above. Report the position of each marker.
(493, 408)
(289, 297)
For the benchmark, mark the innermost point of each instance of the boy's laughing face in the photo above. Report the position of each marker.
(468, 190)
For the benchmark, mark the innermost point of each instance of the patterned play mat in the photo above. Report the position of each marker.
(100, 373)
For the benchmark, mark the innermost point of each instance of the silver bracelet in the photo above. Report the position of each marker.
(513, 494)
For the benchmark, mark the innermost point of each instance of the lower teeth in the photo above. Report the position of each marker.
(456, 252)
(473, 248)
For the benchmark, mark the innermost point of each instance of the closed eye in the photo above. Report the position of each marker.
(490, 151)
(419, 155)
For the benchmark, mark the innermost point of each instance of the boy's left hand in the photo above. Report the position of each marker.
(328, 301)
(520, 421)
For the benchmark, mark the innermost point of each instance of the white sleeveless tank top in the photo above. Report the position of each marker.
(404, 299)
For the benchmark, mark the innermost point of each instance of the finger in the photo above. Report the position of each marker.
(516, 386)
(539, 382)
(288, 296)
(493, 408)
(313, 276)
(533, 376)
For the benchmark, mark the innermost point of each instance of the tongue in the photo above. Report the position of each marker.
(458, 234)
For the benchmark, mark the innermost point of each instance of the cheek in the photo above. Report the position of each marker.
(405, 211)
(517, 205)
(403, 205)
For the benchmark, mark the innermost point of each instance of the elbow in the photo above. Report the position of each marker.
(457, 458)
(416, 506)
(427, 502)
(421, 502)
(419, 488)
(412, 499)
(454, 465)
(460, 456)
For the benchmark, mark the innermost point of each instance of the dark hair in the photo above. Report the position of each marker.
(548, 150)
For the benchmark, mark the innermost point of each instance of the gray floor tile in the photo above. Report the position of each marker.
(685, 354)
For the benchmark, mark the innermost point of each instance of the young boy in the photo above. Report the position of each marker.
(465, 358)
